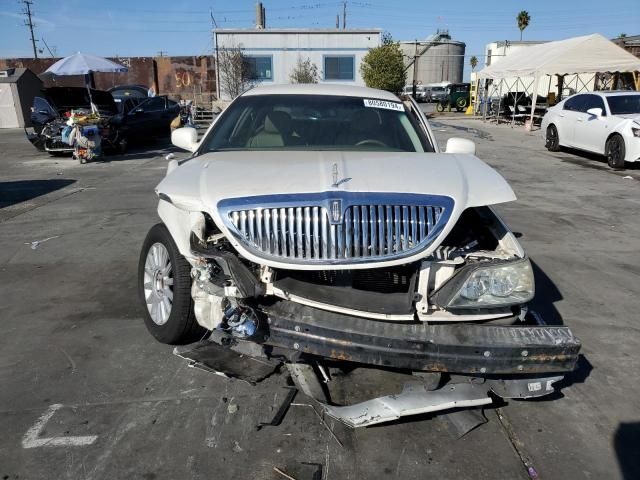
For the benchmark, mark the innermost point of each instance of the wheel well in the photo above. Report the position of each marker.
(613, 134)
(606, 142)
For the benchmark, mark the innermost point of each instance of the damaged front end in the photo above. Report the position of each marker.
(278, 283)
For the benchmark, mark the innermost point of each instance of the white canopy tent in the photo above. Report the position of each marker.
(587, 54)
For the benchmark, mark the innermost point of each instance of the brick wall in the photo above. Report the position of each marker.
(187, 77)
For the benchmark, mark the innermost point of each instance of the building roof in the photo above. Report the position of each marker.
(586, 54)
(502, 43)
(322, 89)
(263, 31)
(15, 76)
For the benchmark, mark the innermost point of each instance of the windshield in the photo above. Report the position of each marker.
(624, 104)
(316, 122)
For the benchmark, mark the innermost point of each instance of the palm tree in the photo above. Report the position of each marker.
(474, 62)
(523, 19)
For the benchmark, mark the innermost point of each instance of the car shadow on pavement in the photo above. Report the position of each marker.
(543, 303)
(592, 160)
(546, 295)
(626, 442)
(23, 190)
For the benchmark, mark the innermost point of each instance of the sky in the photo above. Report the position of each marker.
(148, 27)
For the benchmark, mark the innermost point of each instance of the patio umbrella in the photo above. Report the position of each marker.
(83, 64)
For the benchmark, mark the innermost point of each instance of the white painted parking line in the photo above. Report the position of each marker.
(31, 438)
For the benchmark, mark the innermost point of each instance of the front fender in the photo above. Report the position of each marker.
(178, 222)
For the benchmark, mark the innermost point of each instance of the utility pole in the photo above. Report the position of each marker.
(337, 21)
(415, 73)
(29, 23)
(344, 15)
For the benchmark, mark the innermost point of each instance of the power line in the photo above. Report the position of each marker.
(46, 45)
(29, 23)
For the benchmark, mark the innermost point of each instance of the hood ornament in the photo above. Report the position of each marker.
(336, 183)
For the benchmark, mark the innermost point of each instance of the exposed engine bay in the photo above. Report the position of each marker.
(226, 285)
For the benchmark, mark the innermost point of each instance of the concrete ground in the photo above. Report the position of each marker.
(86, 393)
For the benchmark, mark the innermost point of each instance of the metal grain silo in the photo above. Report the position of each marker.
(439, 59)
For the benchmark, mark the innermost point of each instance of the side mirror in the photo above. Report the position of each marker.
(596, 112)
(185, 138)
(460, 145)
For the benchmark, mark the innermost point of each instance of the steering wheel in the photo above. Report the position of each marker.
(370, 141)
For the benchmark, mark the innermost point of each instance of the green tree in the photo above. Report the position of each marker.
(474, 62)
(622, 35)
(305, 71)
(387, 39)
(523, 19)
(382, 67)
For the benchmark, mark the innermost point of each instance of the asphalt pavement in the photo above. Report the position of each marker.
(87, 393)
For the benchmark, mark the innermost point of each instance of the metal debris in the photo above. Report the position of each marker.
(285, 475)
(282, 410)
(36, 243)
(321, 420)
(464, 421)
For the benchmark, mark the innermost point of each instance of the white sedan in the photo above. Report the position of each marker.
(607, 123)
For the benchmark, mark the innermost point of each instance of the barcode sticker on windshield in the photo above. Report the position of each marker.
(369, 102)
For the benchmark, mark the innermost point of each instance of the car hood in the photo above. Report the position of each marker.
(205, 180)
(199, 184)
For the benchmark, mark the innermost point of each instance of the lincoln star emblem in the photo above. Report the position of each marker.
(336, 211)
(336, 183)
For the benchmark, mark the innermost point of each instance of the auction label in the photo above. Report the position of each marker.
(372, 103)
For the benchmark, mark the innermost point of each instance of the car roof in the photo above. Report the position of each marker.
(611, 93)
(322, 89)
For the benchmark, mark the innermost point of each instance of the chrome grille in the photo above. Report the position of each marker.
(304, 233)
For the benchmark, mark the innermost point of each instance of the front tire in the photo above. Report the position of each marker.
(164, 288)
(552, 139)
(615, 151)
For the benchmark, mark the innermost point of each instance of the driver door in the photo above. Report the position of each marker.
(591, 131)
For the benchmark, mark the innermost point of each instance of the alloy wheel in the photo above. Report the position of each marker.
(158, 283)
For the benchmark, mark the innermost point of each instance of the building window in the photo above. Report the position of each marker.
(339, 68)
(488, 58)
(259, 68)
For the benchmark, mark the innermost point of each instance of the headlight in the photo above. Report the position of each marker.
(488, 285)
(635, 131)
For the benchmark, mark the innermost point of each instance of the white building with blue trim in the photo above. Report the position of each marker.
(273, 54)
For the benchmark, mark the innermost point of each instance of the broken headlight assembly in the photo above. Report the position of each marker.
(488, 285)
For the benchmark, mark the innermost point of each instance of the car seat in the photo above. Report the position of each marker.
(362, 126)
(274, 133)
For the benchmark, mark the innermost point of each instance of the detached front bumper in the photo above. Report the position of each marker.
(478, 349)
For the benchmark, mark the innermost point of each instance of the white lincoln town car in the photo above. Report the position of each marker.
(319, 228)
